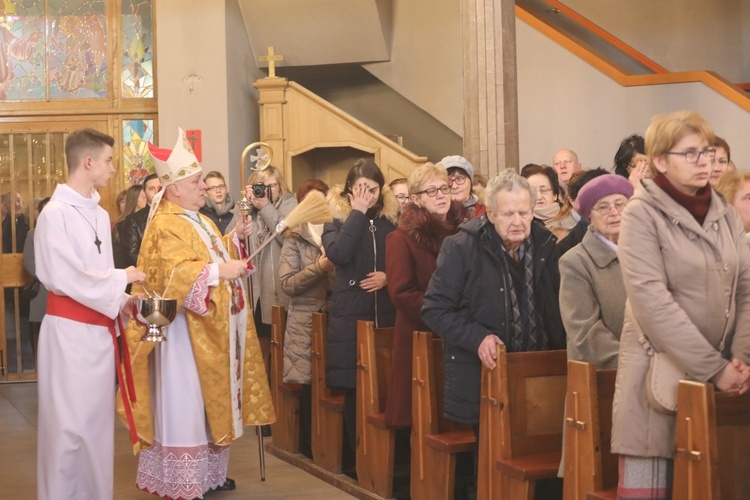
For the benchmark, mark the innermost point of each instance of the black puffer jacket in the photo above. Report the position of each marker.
(220, 216)
(131, 236)
(467, 300)
(356, 250)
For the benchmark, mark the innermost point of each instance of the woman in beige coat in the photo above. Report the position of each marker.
(686, 269)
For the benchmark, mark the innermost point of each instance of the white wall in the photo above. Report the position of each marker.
(681, 35)
(566, 103)
(190, 40)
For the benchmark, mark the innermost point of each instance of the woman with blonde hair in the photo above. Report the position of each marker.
(686, 269)
(271, 201)
(735, 186)
(410, 259)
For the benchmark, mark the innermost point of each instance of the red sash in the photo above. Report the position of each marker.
(65, 307)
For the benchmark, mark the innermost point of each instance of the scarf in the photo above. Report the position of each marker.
(697, 205)
(547, 213)
(228, 205)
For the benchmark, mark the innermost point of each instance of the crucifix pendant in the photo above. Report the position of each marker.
(98, 243)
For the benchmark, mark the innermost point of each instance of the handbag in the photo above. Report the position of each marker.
(662, 380)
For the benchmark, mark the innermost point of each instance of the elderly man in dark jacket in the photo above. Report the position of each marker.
(496, 282)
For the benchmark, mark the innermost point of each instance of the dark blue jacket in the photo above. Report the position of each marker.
(467, 299)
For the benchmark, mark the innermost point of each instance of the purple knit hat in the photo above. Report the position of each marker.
(598, 188)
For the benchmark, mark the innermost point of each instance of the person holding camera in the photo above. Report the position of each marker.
(272, 200)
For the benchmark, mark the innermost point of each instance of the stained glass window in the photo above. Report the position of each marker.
(137, 49)
(77, 41)
(137, 162)
(22, 50)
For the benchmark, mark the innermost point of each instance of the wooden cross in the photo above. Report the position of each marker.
(271, 59)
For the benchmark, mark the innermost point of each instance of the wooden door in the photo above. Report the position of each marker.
(32, 163)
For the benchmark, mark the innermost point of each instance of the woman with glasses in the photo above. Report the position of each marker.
(219, 205)
(592, 295)
(271, 202)
(411, 258)
(631, 161)
(463, 189)
(400, 188)
(686, 269)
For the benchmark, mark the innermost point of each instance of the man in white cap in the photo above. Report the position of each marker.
(78, 348)
(461, 175)
(197, 390)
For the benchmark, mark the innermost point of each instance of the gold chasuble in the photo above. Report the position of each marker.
(173, 254)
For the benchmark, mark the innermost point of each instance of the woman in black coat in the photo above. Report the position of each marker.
(365, 213)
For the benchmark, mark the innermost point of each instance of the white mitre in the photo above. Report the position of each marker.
(172, 165)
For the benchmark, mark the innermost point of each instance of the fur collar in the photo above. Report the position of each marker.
(425, 229)
(340, 207)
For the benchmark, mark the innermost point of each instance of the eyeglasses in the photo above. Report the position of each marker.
(433, 191)
(543, 190)
(606, 209)
(214, 188)
(401, 198)
(692, 155)
(458, 179)
(273, 185)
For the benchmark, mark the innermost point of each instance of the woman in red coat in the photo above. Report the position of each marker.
(410, 259)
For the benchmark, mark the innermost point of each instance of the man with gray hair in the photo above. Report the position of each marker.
(496, 282)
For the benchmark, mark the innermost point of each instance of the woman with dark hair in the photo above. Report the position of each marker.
(364, 212)
(306, 277)
(135, 199)
(549, 205)
(631, 161)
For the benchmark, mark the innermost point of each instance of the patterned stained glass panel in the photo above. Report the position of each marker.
(137, 162)
(22, 65)
(77, 48)
(137, 49)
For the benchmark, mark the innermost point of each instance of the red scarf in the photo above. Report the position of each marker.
(697, 205)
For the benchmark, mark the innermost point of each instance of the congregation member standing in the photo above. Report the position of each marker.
(135, 224)
(271, 201)
(219, 205)
(592, 294)
(135, 199)
(307, 278)
(77, 346)
(496, 282)
(199, 389)
(364, 214)
(411, 256)
(463, 187)
(686, 268)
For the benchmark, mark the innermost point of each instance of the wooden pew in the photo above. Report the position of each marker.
(327, 406)
(712, 443)
(286, 397)
(521, 422)
(435, 441)
(375, 440)
(589, 465)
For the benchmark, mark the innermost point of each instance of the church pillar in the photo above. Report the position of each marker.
(490, 85)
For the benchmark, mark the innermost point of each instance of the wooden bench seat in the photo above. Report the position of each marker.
(327, 436)
(286, 397)
(590, 467)
(375, 440)
(435, 441)
(521, 422)
(712, 438)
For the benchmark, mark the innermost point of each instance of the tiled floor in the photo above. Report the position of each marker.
(18, 421)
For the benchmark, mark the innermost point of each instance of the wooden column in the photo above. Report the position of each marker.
(490, 85)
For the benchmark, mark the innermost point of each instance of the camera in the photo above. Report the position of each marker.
(260, 190)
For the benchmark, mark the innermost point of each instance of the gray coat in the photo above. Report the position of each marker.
(38, 306)
(592, 301)
(679, 278)
(265, 280)
(307, 285)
